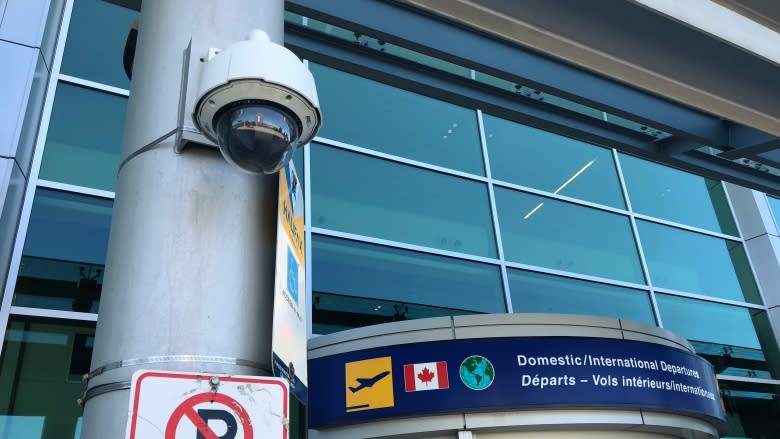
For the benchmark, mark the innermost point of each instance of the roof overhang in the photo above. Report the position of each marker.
(620, 57)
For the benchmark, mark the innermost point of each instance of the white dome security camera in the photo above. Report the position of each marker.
(258, 102)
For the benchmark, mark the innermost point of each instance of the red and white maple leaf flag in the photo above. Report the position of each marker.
(426, 376)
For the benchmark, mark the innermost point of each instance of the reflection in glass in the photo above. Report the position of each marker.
(358, 194)
(734, 360)
(85, 138)
(678, 196)
(334, 312)
(373, 115)
(689, 261)
(40, 377)
(737, 341)
(9, 219)
(357, 284)
(708, 322)
(544, 293)
(64, 253)
(96, 42)
(551, 162)
(752, 409)
(563, 236)
(32, 114)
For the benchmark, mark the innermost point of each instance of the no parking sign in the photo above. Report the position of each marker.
(178, 405)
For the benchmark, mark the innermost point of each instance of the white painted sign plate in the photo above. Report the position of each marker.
(180, 405)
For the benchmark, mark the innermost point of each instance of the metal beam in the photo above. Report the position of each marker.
(405, 74)
(747, 142)
(434, 36)
(675, 146)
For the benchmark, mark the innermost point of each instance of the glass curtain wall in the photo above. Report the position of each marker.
(567, 227)
(56, 286)
(416, 207)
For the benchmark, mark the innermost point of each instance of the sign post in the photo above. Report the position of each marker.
(288, 340)
(179, 405)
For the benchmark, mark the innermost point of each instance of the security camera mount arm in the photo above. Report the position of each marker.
(255, 72)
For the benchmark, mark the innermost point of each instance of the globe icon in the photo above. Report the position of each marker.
(477, 372)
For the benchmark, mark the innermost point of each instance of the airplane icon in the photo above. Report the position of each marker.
(368, 382)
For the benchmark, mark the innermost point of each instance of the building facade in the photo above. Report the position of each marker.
(440, 184)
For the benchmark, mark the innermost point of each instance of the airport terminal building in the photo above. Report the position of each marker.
(614, 159)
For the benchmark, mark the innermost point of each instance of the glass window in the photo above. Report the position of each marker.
(358, 284)
(551, 162)
(774, 204)
(563, 236)
(708, 322)
(689, 261)
(40, 377)
(544, 293)
(95, 46)
(752, 409)
(737, 341)
(373, 115)
(358, 194)
(64, 252)
(678, 196)
(85, 138)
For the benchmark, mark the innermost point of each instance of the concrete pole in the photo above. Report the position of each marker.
(190, 258)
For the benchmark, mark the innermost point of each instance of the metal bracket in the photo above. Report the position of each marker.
(186, 132)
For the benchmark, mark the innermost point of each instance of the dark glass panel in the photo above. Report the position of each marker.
(358, 194)
(85, 138)
(358, 284)
(96, 42)
(551, 162)
(678, 196)
(544, 293)
(737, 341)
(689, 261)
(708, 322)
(564, 236)
(40, 377)
(64, 252)
(752, 409)
(377, 116)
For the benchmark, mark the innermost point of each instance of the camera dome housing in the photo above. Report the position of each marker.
(258, 102)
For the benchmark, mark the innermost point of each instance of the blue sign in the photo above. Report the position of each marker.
(509, 373)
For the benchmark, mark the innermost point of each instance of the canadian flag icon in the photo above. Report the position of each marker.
(426, 376)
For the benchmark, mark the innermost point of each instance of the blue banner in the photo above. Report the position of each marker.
(509, 373)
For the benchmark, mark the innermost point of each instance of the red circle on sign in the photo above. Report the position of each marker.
(187, 408)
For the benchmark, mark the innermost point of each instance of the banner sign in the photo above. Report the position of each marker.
(288, 341)
(510, 373)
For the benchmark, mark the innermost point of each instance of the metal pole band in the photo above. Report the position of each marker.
(173, 359)
(101, 389)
